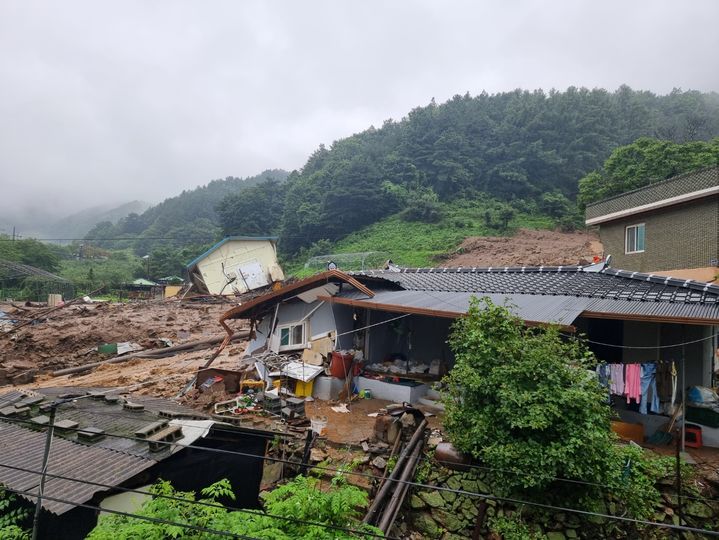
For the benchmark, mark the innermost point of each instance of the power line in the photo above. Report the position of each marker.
(134, 516)
(557, 478)
(195, 502)
(424, 486)
(281, 434)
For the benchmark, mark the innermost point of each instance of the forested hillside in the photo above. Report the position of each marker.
(525, 149)
(187, 219)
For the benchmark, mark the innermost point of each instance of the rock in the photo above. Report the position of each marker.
(317, 454)
(416, 503)
(449, 496)
(698, 509)
(555, 535)
(379, 462)
(407, 420)
(451, 521)
(25, 377)
(454, 482)
(432, 442)
(365, 446)
(432, 498)
(424, 524)
(571, 533)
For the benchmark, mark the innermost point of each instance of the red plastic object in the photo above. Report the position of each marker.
(693, 436)
(340, 364)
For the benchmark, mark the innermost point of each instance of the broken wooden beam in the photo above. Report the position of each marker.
(153, 353)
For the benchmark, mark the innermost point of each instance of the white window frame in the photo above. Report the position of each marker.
(292, 346)
(635, 227)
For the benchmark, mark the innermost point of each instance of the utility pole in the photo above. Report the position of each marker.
(43, 476)
(13, 233)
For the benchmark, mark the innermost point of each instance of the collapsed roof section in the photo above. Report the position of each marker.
(538, 295)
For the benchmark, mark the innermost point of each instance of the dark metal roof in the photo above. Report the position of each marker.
(108, 460)
(21, 447)
(560, 310)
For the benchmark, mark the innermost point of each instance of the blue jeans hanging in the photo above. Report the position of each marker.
(649, 381)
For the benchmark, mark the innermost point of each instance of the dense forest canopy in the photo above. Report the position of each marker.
(527, 149)
(187, 219)
(509, 146)
(643, 162)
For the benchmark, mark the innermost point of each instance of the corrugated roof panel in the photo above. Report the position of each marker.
(534, 308)
(21, 447)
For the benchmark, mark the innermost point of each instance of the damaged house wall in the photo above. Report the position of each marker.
(321, 318)
(236, 265)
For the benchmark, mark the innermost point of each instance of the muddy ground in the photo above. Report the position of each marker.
(528, 248)
(69, 337)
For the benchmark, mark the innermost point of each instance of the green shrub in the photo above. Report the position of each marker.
(522, 401)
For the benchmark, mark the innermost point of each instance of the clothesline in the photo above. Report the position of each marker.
(654, 347)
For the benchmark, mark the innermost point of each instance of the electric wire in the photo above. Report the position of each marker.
(487, 496)
(557, 478)
(269, 433)
(651, 347)
(134, 516)
(196, 502)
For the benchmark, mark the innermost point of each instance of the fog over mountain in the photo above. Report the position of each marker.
(105, 103)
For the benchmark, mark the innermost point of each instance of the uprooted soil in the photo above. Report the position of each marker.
(69, 337)
(527, 248)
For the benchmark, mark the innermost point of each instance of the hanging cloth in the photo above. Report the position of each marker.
(616, 376)
(632, 382)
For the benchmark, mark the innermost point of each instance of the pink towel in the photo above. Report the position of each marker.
(633, 382)
(616, 376)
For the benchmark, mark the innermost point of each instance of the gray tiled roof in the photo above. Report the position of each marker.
(574, 289)
(564, 281)
(655, 192)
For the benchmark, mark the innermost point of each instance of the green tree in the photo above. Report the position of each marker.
(522, 401)
(254, 211)
(643, 162)
(339, 505)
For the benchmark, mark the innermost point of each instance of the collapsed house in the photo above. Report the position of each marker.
(385, 331)
(105, 442)
(236, 265)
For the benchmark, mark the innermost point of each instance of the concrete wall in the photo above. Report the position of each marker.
(677, 237)
(233, 254)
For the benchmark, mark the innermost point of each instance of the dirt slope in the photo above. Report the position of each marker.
(527, 248)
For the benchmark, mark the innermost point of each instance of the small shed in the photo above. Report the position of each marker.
(236, 265)
(22, 281)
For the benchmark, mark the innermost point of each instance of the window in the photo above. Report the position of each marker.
(292, 336)
(634, 239)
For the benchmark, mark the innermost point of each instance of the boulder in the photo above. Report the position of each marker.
(451, 521)
(416, 503)
(432, 498)
(424, 524)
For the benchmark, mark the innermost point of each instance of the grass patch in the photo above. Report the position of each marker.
(417, 244)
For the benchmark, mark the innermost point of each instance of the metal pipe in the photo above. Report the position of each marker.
(390, 512)
(382, 493)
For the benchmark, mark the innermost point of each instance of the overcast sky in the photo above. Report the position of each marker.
(114, 101)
